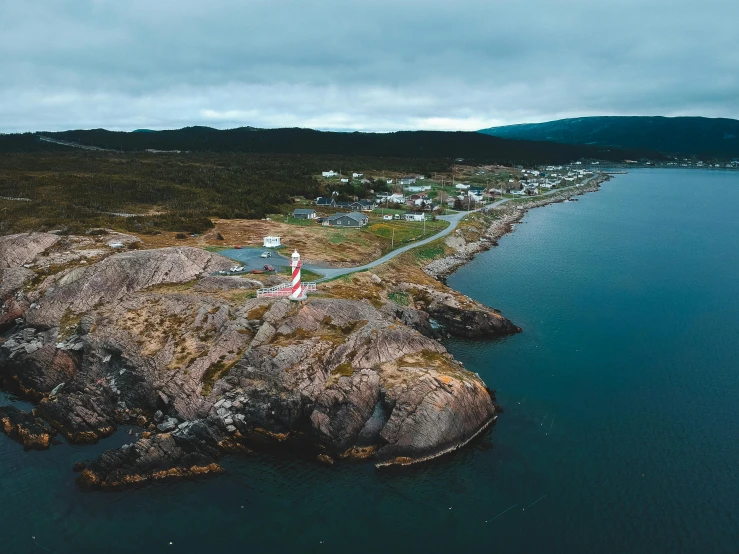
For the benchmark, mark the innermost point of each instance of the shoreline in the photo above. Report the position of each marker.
(511, 214)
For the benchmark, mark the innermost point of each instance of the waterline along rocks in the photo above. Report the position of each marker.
(204, 369)
(502, 220)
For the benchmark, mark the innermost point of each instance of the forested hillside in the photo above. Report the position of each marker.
(685, 136)
(473, 147)
(80, 189)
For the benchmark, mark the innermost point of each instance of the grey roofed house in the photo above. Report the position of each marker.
(353, 219)
(360, 205)
(304, 213)
(324, 201)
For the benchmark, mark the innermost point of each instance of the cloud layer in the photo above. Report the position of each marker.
(374, 65)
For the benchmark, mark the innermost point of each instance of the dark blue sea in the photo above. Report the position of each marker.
(620, 431)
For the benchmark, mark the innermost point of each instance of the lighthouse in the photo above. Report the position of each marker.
(298, 293)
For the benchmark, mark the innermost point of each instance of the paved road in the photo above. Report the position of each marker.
(332, 273)
(453, 219)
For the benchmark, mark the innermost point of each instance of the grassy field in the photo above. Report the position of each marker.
(405, 231)
(431, 251)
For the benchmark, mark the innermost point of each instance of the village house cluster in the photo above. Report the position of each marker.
(420, 198)
(533, 180)
(413, 197)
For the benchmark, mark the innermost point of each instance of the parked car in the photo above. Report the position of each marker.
(268, 267)
(266, 255)
(396, 216)
(257, 271)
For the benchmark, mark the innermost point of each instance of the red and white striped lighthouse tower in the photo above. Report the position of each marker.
(298, 293)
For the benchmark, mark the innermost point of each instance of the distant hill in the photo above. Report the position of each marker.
(473, 147)
(687, 136)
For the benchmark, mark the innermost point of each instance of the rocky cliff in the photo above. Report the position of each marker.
(150, 337)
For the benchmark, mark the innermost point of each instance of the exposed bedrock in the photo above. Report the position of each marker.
(22, 249)
(150, 338)
(24, 428)
(459, 315)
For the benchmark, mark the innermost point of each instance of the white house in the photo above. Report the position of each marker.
(329, 174)
(356, 175)
(461, 186)
(414, 216)
(409, 180)
(393, 198)
(387, 217)
(417, 188)
(345, 180)
(272, 242)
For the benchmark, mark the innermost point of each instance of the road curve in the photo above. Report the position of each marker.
(333, 273)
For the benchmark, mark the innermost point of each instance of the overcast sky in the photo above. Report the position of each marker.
(375, 65)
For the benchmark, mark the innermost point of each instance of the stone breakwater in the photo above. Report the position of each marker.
(508, 215)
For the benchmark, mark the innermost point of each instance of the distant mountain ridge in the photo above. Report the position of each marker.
(686, 136)
(472, 146)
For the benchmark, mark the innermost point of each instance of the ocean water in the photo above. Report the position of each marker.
(620, 431)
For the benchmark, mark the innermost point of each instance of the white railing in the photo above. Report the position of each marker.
(283, 290)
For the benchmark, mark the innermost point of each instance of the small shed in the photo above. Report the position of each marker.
(272, 242)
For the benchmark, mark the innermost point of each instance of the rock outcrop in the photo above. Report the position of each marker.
(460, 315)
(188, 453)
(25, 428)
(19, 250)
(115, 277)
(151, 338)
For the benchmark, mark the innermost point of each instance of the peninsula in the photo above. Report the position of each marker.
(162, 332)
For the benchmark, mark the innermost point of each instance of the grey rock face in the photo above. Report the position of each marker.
(215, 374)
(119, 275)
(215, 283)
(168, 425)
(18, 250)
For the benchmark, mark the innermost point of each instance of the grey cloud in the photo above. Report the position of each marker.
(371, 65)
